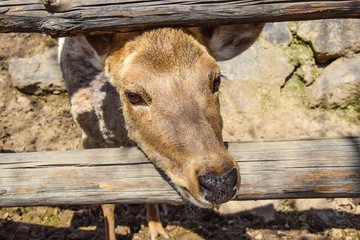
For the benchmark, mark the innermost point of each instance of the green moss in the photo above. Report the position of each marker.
(299, 54)
(353, 110)
(349, 114)
(299, 51)
(293, 93)
(295, 85)
(27, 210)
(52, 220)
(293, 26)
(315, 72)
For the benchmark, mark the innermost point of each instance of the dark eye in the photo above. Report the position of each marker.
(216, 84)
(135, 99)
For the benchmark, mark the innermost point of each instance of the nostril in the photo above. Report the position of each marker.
(209, 183)
(219, 189)
(231, 178)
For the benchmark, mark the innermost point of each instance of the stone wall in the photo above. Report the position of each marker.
(321, 56)
(298, 75)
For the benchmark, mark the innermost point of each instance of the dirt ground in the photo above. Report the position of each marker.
(44, 123)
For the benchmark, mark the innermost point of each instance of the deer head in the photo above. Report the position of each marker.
(168, 81)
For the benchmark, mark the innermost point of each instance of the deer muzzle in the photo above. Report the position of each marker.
(219, 189)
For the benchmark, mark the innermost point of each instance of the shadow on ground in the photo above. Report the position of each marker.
(87, 223)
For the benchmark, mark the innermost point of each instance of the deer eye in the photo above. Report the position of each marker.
(135, 99)
(216, 84)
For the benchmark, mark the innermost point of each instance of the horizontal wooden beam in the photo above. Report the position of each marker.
(311, 168)
(71, 17)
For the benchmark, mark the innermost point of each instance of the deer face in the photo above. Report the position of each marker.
(168, 84)
(169, 89)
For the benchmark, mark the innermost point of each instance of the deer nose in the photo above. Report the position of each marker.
(219, 189)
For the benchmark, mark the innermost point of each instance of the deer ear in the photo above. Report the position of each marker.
(104, 43)
(227, 41)
(100, 43)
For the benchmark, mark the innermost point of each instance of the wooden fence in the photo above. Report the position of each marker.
(311, 168)
(69, 17)
(270, 170)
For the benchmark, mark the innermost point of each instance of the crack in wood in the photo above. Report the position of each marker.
(81, 165)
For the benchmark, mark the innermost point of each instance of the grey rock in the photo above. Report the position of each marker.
(277, 33)
(38, 74)
(331, 38)
(308, 73)
(260, 64)
(338, 85)
(239, 97)
(253, 78)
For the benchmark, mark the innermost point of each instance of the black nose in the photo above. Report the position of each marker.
(219, 189)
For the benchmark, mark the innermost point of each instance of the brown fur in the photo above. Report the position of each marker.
(178, 125)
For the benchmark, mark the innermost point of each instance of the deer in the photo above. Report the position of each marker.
(158, 89)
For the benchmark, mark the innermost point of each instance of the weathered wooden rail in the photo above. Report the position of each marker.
(269, 170)
(70, 17)
(309, 168)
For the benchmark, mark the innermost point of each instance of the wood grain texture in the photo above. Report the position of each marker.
(65, 17)
(269, 170)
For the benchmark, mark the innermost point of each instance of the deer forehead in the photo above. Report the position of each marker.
(163, 58)
(180, 79)
(167, 46)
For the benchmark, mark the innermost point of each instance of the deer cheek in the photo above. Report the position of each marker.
(133, 120)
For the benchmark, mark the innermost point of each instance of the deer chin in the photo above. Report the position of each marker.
(202, 203)
(185, 193)
(199, 201)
